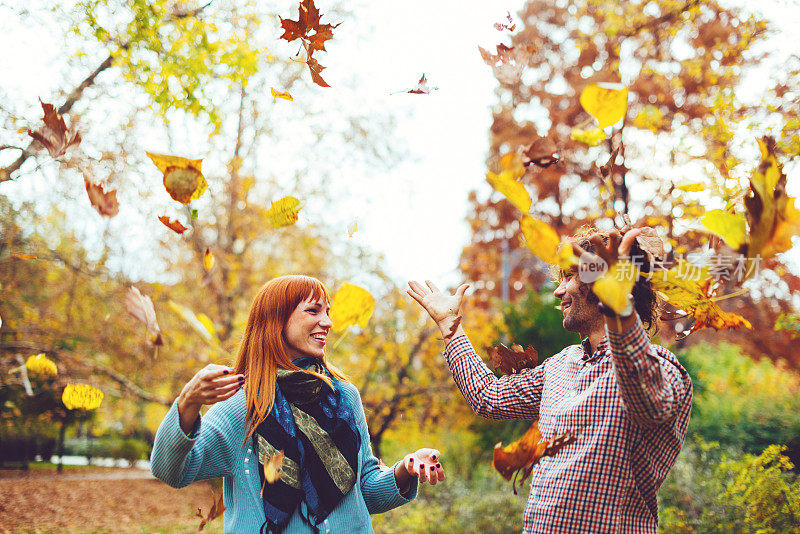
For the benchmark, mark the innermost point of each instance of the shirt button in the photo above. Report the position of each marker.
(247, 460)
(246, 471)
(249, 450)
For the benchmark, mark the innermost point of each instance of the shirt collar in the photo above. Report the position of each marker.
(599, 352)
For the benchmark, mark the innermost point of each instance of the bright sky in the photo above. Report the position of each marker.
(413, 213)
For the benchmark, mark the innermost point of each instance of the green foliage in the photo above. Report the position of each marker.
(534, 320)
(712, 489)
(740, 402)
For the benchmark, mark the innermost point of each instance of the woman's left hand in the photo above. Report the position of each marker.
(425, 464)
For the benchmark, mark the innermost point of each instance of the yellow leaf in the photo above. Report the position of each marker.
(281, 94)
(351, 305)
(606, 102)
(206, 321)
(208, 260)
(200, 322)
(183, 178)
(587, 137)
(81, 396)
(352, 228)
(691, 188)
(283, 212)
(614, 287)
(273, 468)
(514, 191)
(41, 364)
(21, 256)
(543, 241)
(729, 226)
(512, 163)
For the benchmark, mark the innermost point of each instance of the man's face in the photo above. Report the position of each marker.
(580, 315)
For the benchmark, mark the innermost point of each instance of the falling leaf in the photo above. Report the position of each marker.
(771, 213)
(541, 153)
(513, 190)
(614, 287)
(454, 327)
(691, 187)
(141, 308)
(606, 102)
(81, 397)
(183, 178)
(351, 305)
(283, 94)
(283, 212)
(316, 68)
(543, 241)
(511, 361)
(690, 288)
(22, 256)
(194, 214)
(273, 468)
(217, 508)
(208, 260)
(510, 25)
(352, 228)
(201, 323)
(422, 87)
(587, 137)
(41, 364)
(104, 202)
(54, 135)
(605, 170)
(729, 226)
(308, 21)
(517, 459)
(175, 225)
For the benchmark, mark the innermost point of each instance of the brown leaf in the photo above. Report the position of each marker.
(175, 225)
(517, 459)
(422, 87)
(217, 508)
(54, 135)
(605, 170)
(104, 202)
(509, 61)
(511, 361)
(542, 153)
(316, 68)
(307, 22)
(141, 308)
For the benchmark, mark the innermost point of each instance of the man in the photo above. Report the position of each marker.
(626, 399)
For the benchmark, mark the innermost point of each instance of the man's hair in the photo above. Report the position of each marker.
(645, 300)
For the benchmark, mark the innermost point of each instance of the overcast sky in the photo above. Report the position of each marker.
(414, 213)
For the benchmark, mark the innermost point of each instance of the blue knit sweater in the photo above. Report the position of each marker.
(215, 449)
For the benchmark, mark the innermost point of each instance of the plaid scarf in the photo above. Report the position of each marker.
(315, 428)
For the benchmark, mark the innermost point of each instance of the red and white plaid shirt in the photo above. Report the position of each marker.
(629, 405)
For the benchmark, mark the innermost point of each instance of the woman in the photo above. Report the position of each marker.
(283, 395)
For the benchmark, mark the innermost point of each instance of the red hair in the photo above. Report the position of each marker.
(262, 350)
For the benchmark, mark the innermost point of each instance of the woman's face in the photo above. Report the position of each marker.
(307, 329)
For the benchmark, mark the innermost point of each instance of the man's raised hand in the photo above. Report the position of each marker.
(442, 308)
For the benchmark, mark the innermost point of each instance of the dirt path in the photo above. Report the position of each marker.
(98, 501)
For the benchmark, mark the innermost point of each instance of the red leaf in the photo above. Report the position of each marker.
(512, 361)
(510, 25)
(316, 68)
(104, 202)
(175, 225)
(54, 135)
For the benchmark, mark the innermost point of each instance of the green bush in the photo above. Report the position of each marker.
(712, 489)
(739, 402)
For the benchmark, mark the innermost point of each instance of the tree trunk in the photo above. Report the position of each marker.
(61, 435)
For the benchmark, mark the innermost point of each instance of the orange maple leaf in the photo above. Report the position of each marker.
(217, 508)
(511, 361)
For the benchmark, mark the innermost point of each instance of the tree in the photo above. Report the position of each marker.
(683, 63)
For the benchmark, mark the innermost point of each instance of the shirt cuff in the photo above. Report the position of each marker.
(633, 341)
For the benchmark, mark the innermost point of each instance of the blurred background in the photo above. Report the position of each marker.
(392, 188)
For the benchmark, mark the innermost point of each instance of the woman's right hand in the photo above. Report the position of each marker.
(210, 385)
